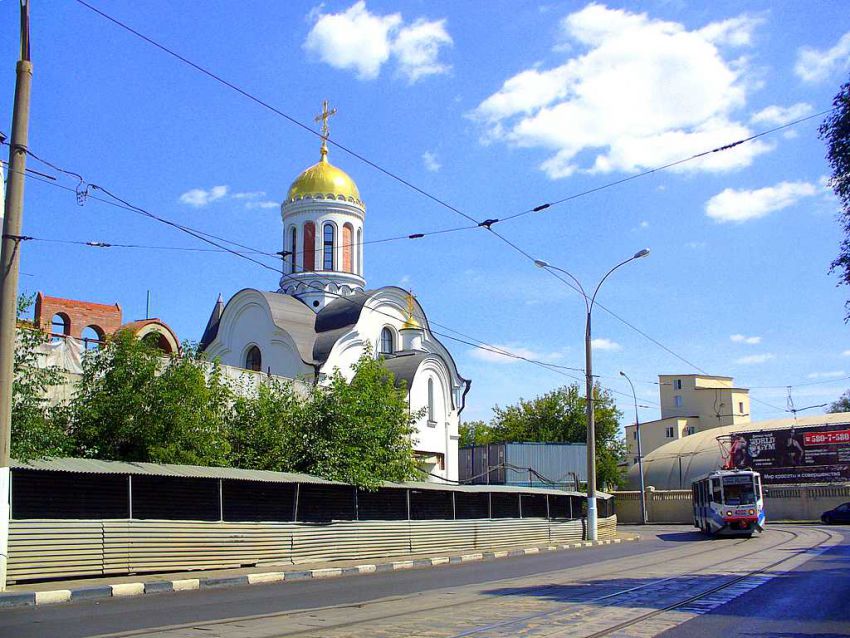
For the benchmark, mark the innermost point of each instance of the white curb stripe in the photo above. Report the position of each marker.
(328, 572)
(128, 589)
(185, 585)
(50, 597)
(267, 577)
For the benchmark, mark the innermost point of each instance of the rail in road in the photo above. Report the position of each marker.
(634, 596)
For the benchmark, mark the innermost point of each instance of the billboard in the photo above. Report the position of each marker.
(806, 454)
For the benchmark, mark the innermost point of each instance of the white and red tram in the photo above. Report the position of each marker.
(729, 503)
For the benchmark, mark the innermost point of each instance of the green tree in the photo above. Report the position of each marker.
(360, 431)
(835, 131)
(131, 405)
(474, 433)
(38, 426)
(841, 405)
(264, 427)
(559, 416)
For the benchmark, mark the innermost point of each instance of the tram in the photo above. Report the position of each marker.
(729, 503)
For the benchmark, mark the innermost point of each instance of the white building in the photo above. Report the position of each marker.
(322, 317)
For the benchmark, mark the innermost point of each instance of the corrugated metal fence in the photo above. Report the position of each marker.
(64, 548)
(79, 517)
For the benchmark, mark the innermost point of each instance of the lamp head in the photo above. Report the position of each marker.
(622, 374)
(641, 253)
(540, 263)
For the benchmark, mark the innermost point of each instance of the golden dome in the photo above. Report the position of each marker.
(410, 323)
(325, 179)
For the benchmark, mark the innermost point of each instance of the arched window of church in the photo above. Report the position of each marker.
(254, 360)
(359, 253)
(309, 246)
(347, 247)
(431, 418)
(387, 341)
(60, 326)
(328, 247)
(293, 248)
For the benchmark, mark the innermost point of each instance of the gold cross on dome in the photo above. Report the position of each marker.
(323, 117)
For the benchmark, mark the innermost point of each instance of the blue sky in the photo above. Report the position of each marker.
(494, 108)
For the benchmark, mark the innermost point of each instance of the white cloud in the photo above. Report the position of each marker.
(404, 281)
(249, 195)
(640, 92)
(490, 356)
(834, 374)
(417, 48)
(816, 66)
(359, 40)
(754, 359)
(742, 339)
(644, 224)
(732, 205)
(846, 353)
(198, 197)
(430, 161)
(605, 344)
(779, 115)
(263, 204)
(695, 245)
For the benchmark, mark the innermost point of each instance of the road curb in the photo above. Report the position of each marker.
(52, 597)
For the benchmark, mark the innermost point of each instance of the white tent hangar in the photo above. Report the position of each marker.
(675, 465)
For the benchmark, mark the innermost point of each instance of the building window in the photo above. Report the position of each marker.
(293, 248)
(347, 247)
(677, 400)
(635, 462)
(741, 407)
(387, 342)
(60, 326)
(677, 384)
(359, 252)
(634, 434)
(669, 433)
(328, 245)
(92, 336)
(254, 360)
(431, 418)
(691, 429)
(309, 261)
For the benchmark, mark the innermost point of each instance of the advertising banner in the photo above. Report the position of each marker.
(808, 454)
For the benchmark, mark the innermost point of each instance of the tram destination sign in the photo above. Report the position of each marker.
(807, 454)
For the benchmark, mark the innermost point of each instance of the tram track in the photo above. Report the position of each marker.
(452, 601)
(652, 614)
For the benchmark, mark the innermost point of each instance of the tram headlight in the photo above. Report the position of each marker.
(751, 512)
(728, 513)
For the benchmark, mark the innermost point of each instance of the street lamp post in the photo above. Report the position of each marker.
(588, 355)
(640, 453)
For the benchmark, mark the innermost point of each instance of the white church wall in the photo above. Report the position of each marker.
(248, 323)
(437, 434)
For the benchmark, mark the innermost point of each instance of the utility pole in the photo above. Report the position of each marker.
(10, 260)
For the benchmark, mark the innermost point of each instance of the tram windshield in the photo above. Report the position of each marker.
(739, 490)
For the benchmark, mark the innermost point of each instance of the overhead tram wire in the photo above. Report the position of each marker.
(487, 223)
(201, 236)
(277, 111)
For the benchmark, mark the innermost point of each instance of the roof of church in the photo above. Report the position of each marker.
(404, 365)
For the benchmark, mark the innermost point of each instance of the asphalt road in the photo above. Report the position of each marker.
(552, 588)
(813, 600)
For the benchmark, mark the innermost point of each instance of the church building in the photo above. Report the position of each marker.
(323, 316)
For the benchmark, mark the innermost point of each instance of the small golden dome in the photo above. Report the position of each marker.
(410, 323)
(325, 179)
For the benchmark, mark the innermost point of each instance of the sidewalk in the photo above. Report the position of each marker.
(58, 591)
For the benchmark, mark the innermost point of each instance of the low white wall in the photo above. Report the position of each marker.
(41, 549)
(799, 503)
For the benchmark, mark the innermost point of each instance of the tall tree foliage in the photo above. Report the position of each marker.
(840, 405)
(132, 406)
(835, 131)
(558, 416)
(38, 426)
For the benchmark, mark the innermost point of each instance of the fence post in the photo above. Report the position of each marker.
(356, 504)
(130, 493)
(408, 503)
(220, 501)
(295, 503)
(490, 505)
